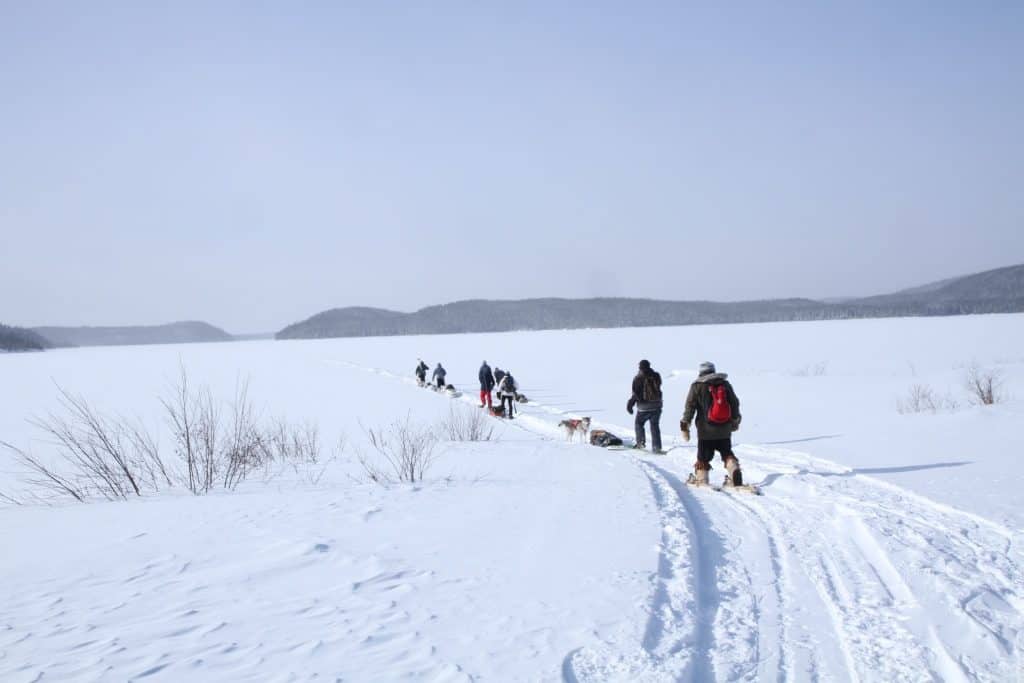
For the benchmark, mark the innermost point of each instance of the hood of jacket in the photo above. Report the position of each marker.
(713, 378)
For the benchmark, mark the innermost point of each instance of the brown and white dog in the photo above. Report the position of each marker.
(574, 427)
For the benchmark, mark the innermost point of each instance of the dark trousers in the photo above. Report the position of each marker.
(654, 417)
(706, 449)
(508, 401)
(440, 382)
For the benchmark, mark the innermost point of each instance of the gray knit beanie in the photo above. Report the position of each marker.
(706, 368)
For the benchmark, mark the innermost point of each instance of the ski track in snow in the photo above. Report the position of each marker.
(914, 590)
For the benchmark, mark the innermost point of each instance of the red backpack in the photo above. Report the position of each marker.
(720, 411)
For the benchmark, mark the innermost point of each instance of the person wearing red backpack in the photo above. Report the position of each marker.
(713, 406)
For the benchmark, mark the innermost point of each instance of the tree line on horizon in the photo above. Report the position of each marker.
(995, 291)
(21, 339)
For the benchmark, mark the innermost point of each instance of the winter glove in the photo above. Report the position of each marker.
(629, 405)
(685, 428)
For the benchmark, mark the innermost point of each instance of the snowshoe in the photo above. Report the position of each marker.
(699, 476)
(734, 477)
(735, 483)
(703, 483)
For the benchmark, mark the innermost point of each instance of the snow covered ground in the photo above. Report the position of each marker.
(887, 546)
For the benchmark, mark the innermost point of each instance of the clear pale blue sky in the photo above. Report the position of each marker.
(250, 164)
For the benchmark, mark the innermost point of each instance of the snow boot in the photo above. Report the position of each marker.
(734, 475)
(700, 473)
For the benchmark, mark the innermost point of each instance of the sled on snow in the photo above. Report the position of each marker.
(605, 439)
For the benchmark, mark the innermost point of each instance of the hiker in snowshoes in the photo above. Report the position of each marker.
(421, 372)
(646, 398)
(438, 376)
(507, 389)
(713, 405)
(486, 385)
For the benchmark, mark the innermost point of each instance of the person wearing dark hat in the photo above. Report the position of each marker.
(647, 400)
(713, 406)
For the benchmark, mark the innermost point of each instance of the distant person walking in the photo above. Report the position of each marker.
(647, 400)
(507, 394)
(421, 372)
(439, 375)
(713, 406)
(486, 385)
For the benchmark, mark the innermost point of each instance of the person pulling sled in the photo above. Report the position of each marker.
(421, 372)
(438, 376)
(713, 406)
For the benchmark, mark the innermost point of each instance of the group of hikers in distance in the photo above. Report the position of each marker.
(437, 378)
(711, 404)
(502, 380)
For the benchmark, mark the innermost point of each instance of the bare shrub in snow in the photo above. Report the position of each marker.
(297, 447)
(402, 452)
(466, 424)
(6, 499)
(96, 455)
(194, 419)
(218, 451)
(154, 473)
(114, 458)
(242, 446)
(289, 444)
(923, 399)
(41, 476)
(985, 386)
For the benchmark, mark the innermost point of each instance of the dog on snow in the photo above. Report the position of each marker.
(574, 427)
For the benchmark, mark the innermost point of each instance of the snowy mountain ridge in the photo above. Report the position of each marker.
(995, 291)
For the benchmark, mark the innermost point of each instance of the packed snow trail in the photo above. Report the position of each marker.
(832, 575)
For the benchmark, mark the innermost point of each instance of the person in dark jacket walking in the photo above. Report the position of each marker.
(438, 376)
(647, 400)
(486, 385)
(498, 374)
(421, 372)
(713, 406)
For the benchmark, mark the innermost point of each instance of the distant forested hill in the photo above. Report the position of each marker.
(21, 339)
(995, 291)
(172, 333)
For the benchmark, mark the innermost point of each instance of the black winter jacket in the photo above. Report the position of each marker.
(637, 398)
(486, 378)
